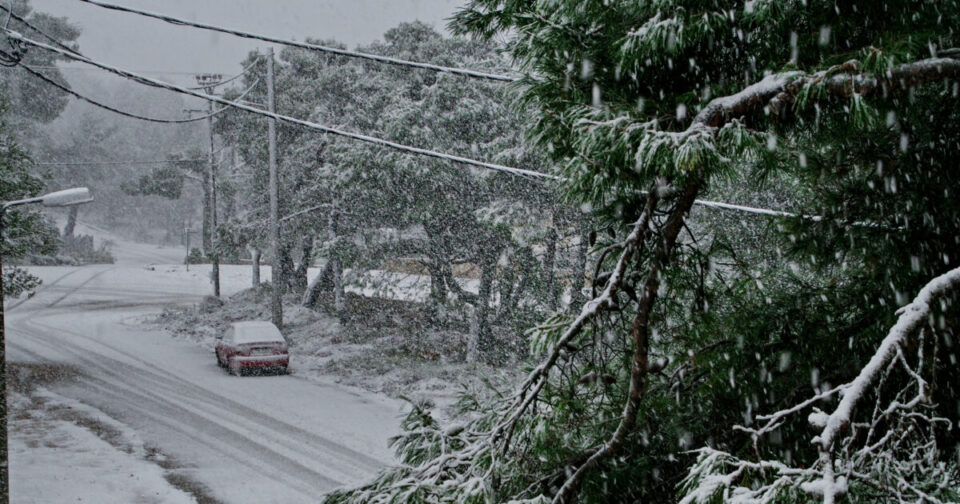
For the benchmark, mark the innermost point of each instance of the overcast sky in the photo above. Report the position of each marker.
(138, 43)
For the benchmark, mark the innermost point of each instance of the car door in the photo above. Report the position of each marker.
(223, 346)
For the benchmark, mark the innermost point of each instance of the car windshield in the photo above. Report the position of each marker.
(256, 333)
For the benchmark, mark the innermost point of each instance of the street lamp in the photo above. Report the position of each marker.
(67, 197)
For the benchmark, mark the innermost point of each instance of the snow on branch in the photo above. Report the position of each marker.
(911, 318)
(902, 77)
(689, 151)
(724, 108)
(538, 377)
(640, 345)
(842, 81)
(893, 453)
(898, 445)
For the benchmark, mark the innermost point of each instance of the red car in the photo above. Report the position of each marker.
(252, 345)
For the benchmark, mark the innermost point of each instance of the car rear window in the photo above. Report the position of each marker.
(260, 333)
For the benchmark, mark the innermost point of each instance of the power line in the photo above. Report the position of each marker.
(291, 120)
(104, 106)
(38, 30)
(105, 163)
(60, 44)
(246, 69)
(160, 72)
(374, 140)
(314, 47)
(759, 211)
(95, 103)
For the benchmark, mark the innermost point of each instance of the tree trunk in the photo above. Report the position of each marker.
(549, 260)
(510, 298)
(434, 264)
(438, 285)
(71, 223)
(205, 226)
(339, 297)
(336, 265)
(299, 279)
(479, 341)
(286, 269)
(579, 274)
(255, 264)
(473, 339)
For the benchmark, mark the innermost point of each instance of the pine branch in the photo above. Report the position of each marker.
(640, 344)
(785, 87)
(538, 377)
(877, 460)
(715, 114)
(912, 317)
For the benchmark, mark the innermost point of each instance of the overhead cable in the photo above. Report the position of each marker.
(105, 163)
(291, 120)
(314, 47)
(42, 33)
(244, 72)
(104, 106)
(760, 211)
(95, 103)
(378, 141)
(160, 72)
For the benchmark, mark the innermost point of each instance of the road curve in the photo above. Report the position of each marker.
(242, 439)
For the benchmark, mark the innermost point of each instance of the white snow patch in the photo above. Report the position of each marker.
(56, 461)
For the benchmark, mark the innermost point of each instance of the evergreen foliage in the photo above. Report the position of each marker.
(364, 206)
(165, 181)
(24, 230)
(700, 323)
(24, 102)
(31, 100)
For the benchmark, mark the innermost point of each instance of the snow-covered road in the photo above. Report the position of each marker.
(241, 439)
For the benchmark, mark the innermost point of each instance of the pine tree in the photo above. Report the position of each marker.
(25, 102)
(341, 190)
(30, 100)
(24, 231)
(844, 114)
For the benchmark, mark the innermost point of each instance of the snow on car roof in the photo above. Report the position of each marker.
(255, 332)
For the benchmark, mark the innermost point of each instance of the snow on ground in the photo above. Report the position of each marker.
(383, 347)
(223, 438)
(60, 453)
(397, 286)
(389, 353)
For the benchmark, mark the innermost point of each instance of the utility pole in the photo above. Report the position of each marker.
(276, 300)
(209, 82)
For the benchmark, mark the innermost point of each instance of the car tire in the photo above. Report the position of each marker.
(219, 362)
(283, 370)
(233, 369)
